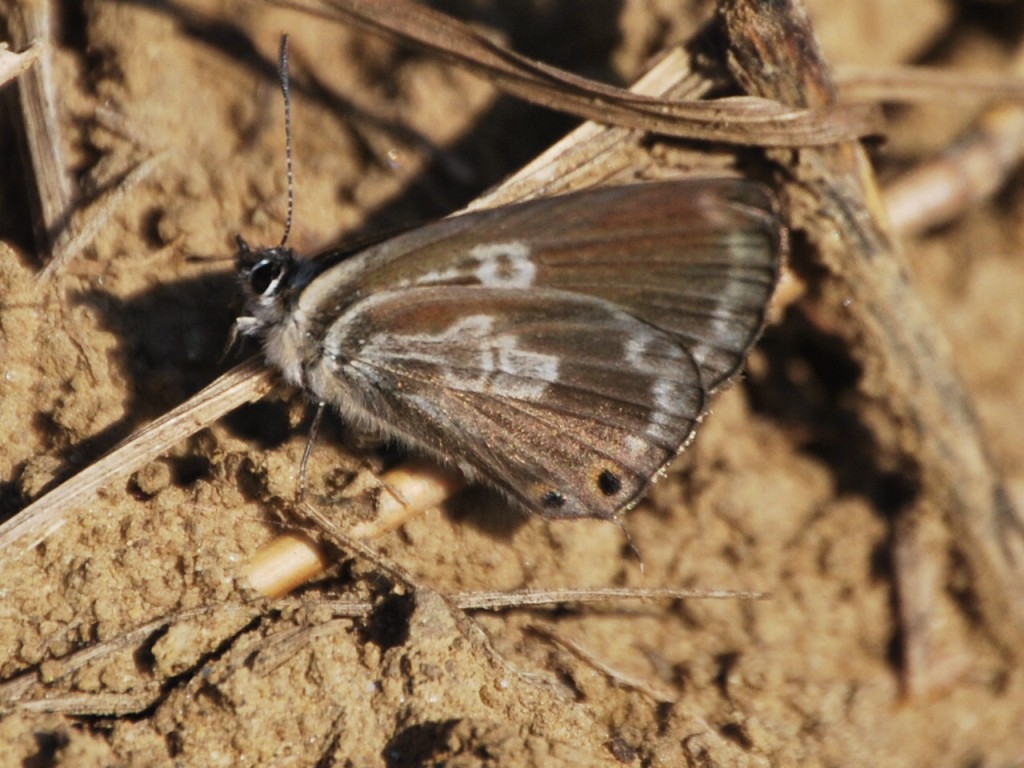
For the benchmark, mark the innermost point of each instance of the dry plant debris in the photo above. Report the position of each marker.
(855, 475)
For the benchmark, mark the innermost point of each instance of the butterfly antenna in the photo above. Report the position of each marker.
(282, 70)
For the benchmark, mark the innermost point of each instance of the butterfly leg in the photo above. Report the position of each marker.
(314, 428)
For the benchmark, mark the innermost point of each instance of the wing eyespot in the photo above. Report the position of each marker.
(552, 500)
(608, 482)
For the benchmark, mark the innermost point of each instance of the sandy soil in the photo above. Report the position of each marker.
(775, 495)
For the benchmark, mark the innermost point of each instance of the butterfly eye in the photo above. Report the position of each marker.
(263, 275)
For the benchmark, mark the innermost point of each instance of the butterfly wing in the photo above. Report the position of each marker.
(565, 402)
(698, 259)
(563, 349)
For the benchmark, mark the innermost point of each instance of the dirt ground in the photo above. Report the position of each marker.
(778, 493)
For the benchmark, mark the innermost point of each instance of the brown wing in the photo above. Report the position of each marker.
(698, 259)
(561, 349)
(566, 403)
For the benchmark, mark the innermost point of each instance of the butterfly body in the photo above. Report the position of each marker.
(561, 350)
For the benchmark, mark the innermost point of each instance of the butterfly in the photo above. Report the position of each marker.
(561, 350)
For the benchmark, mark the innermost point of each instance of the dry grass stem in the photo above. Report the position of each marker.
(39, 130)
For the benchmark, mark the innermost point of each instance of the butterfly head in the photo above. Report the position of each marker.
(267, 277)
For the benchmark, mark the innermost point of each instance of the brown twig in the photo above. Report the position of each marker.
(912, 399)
(39, 131)
(744, 121)
(971, 170)
(245, 383)
(909, 85)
